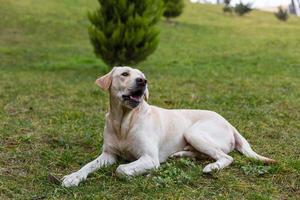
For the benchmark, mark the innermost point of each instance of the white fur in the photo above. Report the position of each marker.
(148, 135)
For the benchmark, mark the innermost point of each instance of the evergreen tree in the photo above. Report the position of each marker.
(173, 8)
(227, 8)
(123, 32)
(227, 2)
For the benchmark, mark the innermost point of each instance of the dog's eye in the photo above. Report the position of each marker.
(124, 74)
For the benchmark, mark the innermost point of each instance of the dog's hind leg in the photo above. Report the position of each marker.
(189, 154)
(203, 143)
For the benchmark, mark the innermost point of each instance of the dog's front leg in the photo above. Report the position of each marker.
(75, 178)
(138, 167)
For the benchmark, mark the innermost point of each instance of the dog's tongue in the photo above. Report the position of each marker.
(136, 98)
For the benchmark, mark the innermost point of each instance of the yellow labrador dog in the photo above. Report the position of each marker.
(147, 135)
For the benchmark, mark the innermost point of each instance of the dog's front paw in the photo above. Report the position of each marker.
(123, 171)
(72, 179)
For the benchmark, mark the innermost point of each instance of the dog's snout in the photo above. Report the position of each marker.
(141, 81)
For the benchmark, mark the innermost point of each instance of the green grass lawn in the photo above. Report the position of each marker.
(52, 114)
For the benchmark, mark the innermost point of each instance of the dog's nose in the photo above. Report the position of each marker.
(141, 81)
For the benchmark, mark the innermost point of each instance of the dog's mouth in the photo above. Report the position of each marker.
(135, 96)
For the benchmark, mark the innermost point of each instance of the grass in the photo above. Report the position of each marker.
(52, 115)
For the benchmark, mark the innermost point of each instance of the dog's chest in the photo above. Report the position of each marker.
(126, 148)
(125, 138)
(126, 151)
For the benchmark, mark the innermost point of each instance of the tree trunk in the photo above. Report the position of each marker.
(293, 7)
(297, 7)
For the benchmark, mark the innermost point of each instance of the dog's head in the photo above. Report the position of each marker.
(127, 85)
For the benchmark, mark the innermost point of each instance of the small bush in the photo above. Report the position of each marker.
(241, 9)
(227, 9)
(173, 8)
(282, 14)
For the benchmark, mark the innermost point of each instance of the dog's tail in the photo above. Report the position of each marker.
(243, 146)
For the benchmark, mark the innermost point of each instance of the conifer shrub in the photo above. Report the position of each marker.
(173, 8)
(124, 32)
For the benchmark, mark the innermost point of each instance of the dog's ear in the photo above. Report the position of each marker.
(104, 82)
(146, 94)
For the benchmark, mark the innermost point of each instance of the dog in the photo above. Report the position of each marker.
(148, 135)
